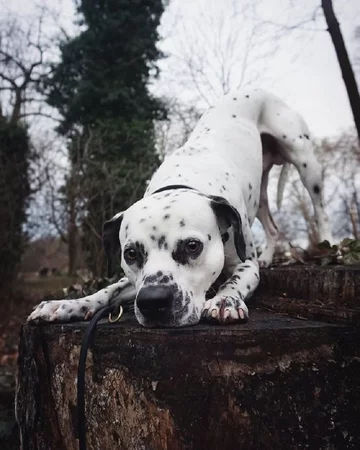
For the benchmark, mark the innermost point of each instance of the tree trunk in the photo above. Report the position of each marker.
(72, 227)
(274, 383)
(344, 61)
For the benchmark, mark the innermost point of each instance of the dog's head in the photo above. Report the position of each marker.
(172, 251)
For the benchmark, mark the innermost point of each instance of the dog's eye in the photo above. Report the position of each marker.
(130, 254)
(193, 247)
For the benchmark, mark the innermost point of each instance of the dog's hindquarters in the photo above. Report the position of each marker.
(288, 142)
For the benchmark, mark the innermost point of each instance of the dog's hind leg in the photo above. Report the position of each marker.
(310, 174)
(266, 220)
(295, 146)
(300, 153)
(83, 308)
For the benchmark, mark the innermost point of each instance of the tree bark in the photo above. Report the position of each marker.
(72, 226)
(344, 61)
(274, 383)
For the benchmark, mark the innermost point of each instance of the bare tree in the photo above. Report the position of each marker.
(344, 61)
(24, 51)
(309, 23)
(221, 46)
(173, 132)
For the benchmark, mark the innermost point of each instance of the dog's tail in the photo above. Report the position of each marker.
(284, 174)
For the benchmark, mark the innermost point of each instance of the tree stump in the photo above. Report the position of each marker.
(274, 383)
(331, 293)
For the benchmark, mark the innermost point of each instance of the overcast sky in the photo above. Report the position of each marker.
(302, 69)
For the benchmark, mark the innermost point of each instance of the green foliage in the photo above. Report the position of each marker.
(347, 252)
(104, 72)
(14, 199)
(100, 87)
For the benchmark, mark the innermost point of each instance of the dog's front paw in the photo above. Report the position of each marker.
(223, 309)
(61, 311)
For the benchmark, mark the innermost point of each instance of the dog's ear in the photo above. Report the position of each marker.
(111, 241)
(227, 216)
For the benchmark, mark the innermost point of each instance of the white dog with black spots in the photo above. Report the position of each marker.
(194, 221)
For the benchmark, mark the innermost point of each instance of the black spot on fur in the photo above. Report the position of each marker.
(154, 228)
(247, 96)
(300, 136)
(152, 237)
(306, 136)
(223, 187)
(304, 165)
(142, 220)
(83, 309)
(209, 237)
(150, 279)
(159, 274)
(167, 216)
(141, 255)
(161, 241)
(234, 98)
(181, 255)
(250, 186)
(182, 222)
(234, 116)
(284, 136)
(316, 189)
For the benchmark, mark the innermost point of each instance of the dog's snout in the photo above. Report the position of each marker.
(153, 301)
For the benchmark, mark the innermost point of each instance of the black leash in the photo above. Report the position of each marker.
(86, 343)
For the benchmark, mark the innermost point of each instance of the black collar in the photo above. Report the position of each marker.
(172, 186)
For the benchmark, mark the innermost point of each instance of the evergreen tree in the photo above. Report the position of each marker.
(14, 199)
(100, 87)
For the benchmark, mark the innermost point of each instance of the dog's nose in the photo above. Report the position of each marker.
(153, 301)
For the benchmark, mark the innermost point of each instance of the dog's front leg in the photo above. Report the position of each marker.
(228, 305)
(82, 308)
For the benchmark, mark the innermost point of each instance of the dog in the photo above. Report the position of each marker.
(194, 222)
